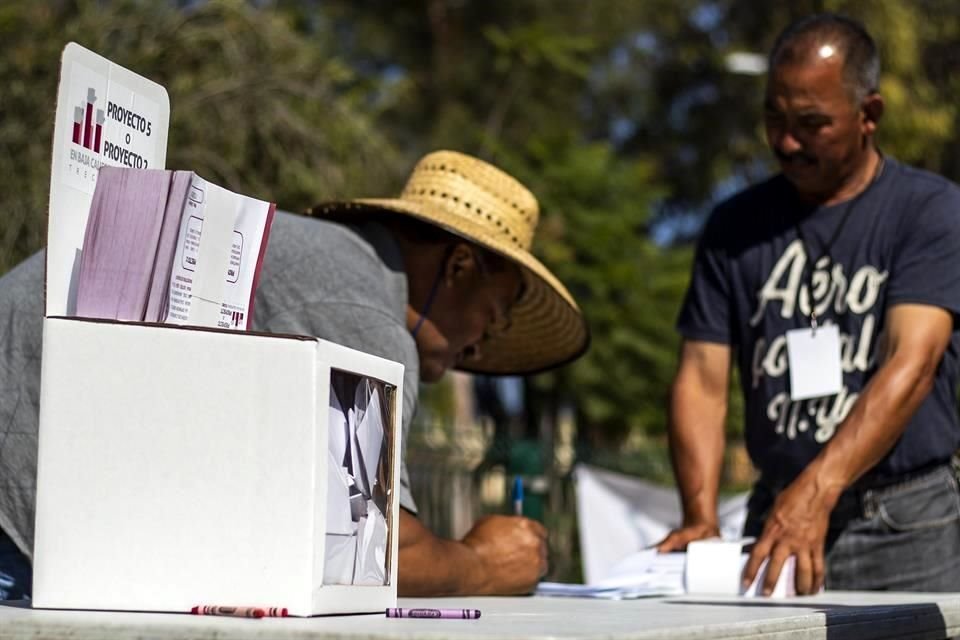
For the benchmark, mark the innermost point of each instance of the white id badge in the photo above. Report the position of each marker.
(814, 358)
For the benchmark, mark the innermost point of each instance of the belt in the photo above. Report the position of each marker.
(865, 496)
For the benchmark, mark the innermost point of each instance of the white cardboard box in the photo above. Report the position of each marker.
(181, 467)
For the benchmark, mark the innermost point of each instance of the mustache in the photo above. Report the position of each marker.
(793, 157)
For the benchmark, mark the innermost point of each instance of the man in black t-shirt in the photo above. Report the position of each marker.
(835, 286)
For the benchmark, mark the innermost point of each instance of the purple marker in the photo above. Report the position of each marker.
(450, 614)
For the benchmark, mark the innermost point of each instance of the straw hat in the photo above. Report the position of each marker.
(484, 205)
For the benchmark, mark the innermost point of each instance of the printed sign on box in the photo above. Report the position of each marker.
(111, 124)
(105, 115)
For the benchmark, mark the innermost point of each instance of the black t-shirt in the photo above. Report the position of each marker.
(900, 244)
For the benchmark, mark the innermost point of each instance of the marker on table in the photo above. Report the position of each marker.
(518, 496)
(240, 612)
(448, 614)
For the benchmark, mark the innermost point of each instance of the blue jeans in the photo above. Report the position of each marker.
(16, 573)
(903, 536)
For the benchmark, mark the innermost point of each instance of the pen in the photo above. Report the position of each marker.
(517, 496)
(449, 614)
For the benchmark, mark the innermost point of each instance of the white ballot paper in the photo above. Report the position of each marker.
(643, 574)
(220, 248)
(715, 567)
(708, 567)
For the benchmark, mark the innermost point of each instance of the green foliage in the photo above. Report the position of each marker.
(605, 109)
(596, 210)
(256, 106)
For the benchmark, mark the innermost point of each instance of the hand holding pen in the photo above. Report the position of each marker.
(512, 554)
(518, 495)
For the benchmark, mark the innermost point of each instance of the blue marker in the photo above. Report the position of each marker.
(518, 496)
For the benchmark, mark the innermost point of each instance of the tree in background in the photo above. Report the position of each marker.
(520, 84)
(255, 105)
(623, 117)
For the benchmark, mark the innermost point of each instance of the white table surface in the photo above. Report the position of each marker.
(833, 616)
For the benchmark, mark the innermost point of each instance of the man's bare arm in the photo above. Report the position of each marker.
(698, 408)
(916, 338)
(501, 555)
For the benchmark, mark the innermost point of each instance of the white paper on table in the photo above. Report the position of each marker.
(649, 568)
(643, 574)
(715, 566)
(602, 593)
(786, 583)
(619, 514)
(708, 567)
(574, 590)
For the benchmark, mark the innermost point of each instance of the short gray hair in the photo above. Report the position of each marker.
(861, 60)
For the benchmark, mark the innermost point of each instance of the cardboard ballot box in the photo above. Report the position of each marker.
(180, 466)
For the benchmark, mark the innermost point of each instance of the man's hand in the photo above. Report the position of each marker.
(698, 406)
(678, 539)
(501, 555)
(911, 350)
(512, 552)
(796, 526)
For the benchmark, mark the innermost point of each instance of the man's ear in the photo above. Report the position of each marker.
(461, 263)
(872, 112)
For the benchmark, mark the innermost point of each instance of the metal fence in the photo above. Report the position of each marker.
(454, 484)
(453, 489)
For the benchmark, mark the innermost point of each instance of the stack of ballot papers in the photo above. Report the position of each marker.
(642, 575)
(708, 567)
(169, 246)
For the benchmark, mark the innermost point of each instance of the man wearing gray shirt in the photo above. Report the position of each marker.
(438, 278)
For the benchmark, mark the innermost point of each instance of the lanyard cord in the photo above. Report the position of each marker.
(833, 238)
(434, 288)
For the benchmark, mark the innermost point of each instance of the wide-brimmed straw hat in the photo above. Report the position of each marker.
(482, 204)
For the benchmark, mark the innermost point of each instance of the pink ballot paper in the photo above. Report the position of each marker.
(128, 211)
(168, 246)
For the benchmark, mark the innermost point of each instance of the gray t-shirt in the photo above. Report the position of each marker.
(343, 284)
(21, 327)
